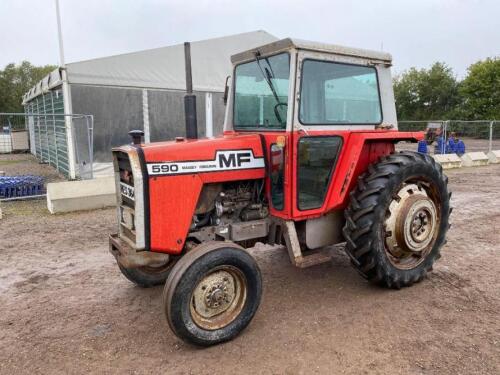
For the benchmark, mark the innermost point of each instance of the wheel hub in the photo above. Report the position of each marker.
(214, 294)
(420, 227)
(411, 225)
(416, 225)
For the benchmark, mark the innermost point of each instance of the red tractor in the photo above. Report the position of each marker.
(307, 159)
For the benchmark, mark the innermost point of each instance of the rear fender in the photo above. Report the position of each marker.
(361, 150)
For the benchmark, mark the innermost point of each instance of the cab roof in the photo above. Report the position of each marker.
(288, 43)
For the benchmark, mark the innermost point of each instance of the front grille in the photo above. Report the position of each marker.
(126, 195)
(126, 177)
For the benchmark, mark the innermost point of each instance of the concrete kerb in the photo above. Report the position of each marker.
(494, 156)
(448, 161)
(474, 159)
(83, 195)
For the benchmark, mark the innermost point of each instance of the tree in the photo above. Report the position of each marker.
(480, 90)
(16, 80)
(426, 93)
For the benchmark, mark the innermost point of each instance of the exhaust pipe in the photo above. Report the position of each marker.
(189, 98)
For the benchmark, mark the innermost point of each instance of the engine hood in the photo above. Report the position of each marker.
(224, 153)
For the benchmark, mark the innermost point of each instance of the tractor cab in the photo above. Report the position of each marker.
(293, 85)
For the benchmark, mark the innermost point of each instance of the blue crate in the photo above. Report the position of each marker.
(21, 186)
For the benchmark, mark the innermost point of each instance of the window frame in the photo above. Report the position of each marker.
(338, 123)
(331, 173)
(238, 128)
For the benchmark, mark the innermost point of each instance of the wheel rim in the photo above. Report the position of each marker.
(218, 298)
(411, 226)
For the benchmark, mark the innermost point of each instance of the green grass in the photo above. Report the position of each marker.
(33, 207)
(8, 162)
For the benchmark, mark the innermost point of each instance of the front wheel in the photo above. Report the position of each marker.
(212, 293)
(397, 219)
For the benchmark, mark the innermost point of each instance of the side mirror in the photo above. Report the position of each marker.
(226, 90)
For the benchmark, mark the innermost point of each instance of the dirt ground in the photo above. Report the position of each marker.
(65, 307)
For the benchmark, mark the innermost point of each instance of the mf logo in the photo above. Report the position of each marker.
(234, 159)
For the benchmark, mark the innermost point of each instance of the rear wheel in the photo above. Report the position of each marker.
(148, 276)
(397, 219)
(212, 293)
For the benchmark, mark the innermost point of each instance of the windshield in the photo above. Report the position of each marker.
(261, 93)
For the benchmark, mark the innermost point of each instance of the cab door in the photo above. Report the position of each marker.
(337, 96)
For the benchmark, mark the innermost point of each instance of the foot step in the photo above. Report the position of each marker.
(313, 259)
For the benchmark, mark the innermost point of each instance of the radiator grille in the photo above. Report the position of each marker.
(126, 196)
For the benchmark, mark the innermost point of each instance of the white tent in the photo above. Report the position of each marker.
(160, 68)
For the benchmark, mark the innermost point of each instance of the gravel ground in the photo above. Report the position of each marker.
(20, 164)
(65, 307)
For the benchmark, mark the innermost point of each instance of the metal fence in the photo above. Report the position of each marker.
(13, 134)
(70, 153)
(482, 135)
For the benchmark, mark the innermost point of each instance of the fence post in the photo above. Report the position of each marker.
(490, 147)
(445, 136)
(46, 127)
(90, 142)
(68, 122)
(39, 136)
(55, 130)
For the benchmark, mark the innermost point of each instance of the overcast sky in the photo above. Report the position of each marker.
(417, 33)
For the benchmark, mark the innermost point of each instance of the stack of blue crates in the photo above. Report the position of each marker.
(20, 186)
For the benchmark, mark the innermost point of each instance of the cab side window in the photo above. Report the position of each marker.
(335, 93)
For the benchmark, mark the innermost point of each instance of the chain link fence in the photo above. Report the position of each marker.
(46, 136)
(482, 135)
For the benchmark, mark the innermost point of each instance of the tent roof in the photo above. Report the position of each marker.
(161, 68)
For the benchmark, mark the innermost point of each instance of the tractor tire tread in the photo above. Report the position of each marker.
(364, 212)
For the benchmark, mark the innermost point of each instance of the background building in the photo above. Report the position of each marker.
(139, 90)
